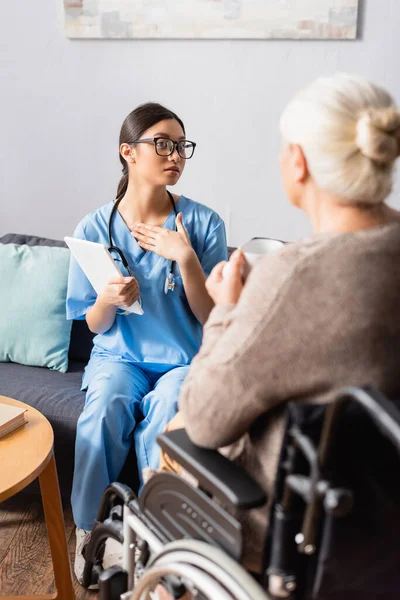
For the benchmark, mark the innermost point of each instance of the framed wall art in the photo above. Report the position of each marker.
(211, 19)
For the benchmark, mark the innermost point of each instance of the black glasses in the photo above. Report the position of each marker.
(166, 147)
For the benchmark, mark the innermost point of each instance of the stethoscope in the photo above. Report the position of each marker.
(169, 284)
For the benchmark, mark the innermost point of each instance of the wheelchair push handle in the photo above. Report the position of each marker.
(382, 411)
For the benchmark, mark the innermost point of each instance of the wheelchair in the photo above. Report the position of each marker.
(334, 531)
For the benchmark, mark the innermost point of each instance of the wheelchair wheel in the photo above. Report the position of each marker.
(204, 571)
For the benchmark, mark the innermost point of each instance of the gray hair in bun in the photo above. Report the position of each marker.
(349, 131)
(378, 134)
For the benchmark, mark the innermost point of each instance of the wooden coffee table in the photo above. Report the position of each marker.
(27, 453)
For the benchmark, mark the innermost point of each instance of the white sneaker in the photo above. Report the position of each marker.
(112, 553)
(82, 538)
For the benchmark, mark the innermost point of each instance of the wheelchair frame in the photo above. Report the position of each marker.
(176, 533)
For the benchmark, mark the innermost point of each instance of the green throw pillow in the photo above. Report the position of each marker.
(33, 286)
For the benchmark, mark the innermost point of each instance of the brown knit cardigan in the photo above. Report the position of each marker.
(318, 315)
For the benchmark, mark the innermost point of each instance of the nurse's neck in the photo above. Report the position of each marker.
(144, 204)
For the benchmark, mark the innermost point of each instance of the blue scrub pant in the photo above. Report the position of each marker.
(124, 403)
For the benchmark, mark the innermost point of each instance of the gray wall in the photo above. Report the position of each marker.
(63, 101)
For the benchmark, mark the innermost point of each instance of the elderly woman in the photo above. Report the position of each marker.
(321, 313)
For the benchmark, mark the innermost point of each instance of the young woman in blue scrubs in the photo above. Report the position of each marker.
(139, 362)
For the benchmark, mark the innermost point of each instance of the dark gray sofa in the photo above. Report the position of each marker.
(57, 395)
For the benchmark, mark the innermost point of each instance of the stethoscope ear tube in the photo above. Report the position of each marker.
(122, 257)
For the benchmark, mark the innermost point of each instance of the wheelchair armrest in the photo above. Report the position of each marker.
(215, 473)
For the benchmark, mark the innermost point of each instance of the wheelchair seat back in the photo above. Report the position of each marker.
(354, 521)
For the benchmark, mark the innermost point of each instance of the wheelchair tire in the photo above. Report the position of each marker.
(207, 586)
(210, 570)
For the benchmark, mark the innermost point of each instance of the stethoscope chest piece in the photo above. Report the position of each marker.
(169, 285)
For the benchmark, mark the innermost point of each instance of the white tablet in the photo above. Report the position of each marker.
(98, 265)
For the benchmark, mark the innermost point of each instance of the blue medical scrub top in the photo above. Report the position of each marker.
(167, 333)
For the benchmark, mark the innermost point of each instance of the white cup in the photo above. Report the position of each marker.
(256, 249)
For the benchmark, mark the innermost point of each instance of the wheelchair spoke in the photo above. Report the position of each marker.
(200, 582)
(213, 562)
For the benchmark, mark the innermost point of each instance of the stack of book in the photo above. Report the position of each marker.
(11, 417)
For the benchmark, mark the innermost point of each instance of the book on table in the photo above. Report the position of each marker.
(11, 417)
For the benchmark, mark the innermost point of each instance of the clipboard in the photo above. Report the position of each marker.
(98, 265)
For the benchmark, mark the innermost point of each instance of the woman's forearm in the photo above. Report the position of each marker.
(100, 317)
(194, 281)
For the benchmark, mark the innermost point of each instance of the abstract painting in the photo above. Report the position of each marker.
(208, 19)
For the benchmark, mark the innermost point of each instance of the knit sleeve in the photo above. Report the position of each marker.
(245, 365)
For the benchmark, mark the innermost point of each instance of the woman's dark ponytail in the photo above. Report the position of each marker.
(135, 124)
(123, 185)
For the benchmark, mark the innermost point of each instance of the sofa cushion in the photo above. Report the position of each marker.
(57, 395)
(81, 342)
(33, 326)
